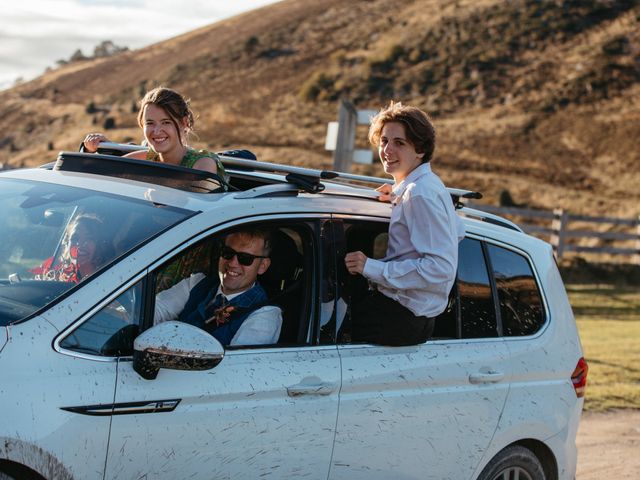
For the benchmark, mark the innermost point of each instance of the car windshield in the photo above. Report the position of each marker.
(54, 237)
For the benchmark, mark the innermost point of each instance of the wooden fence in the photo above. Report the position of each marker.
(568, 232)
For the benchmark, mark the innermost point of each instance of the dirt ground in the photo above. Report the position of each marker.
(609, 445)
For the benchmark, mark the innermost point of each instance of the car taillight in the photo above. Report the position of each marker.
(579, 377)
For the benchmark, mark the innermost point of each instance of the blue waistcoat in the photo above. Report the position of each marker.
(203, 293)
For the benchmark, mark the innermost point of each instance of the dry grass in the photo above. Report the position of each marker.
(608, 319)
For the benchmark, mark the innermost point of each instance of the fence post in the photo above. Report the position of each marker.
(636, 257)
(559, 227)
(343, 154)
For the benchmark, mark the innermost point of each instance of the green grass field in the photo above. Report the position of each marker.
(608, 319)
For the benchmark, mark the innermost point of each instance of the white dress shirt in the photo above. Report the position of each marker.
(261, 327)
(422, 254)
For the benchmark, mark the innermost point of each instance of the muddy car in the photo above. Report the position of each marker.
(91, 388)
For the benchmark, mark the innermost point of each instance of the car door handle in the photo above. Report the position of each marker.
(311, 386)
(490, 376)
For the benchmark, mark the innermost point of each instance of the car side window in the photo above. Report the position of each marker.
(286, 282)
(198, 258)
(110, 332)
(477, 310)
(521, 308)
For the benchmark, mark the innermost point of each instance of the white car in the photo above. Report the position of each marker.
(91, 389)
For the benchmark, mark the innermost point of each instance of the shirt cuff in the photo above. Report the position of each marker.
(373, 269)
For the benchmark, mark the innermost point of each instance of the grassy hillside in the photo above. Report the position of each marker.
(538, 97)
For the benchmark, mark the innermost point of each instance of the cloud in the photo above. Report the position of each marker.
(34, 34)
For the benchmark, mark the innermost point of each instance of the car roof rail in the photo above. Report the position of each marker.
(490, 218)
(304, 179)
(313, 178)
(307, 179)
(272, 190)
(119, 149)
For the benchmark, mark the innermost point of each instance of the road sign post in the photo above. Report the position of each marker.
(341, 136)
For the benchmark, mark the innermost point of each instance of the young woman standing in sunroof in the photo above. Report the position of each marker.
(166, 120)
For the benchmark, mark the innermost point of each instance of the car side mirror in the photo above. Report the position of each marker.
(175, 345)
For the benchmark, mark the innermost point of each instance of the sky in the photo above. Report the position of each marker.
(35, 34)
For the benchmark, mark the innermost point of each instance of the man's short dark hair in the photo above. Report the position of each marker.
(256, 232)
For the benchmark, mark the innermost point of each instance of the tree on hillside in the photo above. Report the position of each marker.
(106, 48)
(77, 56)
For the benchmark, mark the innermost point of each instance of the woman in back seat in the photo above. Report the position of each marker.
(85, 249)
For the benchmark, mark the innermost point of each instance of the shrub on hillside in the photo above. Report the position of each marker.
(251, 43)
(617, 46)
(386, 62)
(318, 87)
(91, 108)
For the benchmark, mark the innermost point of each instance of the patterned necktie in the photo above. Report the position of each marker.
(218, 311)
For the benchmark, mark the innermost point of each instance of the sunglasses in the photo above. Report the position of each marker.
(245, 259)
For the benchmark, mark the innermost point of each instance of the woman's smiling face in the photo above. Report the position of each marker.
(397, 154)
(160, 129)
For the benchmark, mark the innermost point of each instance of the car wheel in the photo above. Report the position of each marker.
(15, 471)
(18, 476)
(513, 463)
(8, 476)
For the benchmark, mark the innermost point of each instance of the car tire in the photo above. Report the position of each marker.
(9, 476)
(15, 471)
(513, 462)
(18, 476)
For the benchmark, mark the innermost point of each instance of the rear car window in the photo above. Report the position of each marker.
(54, 237)
(476, 298)
(521, 308)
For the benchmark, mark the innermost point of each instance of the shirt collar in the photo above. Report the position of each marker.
(233, 295)
(421, 170)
